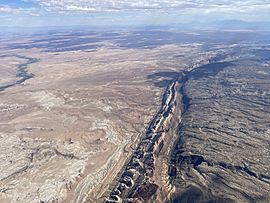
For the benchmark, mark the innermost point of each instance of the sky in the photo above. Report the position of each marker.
(32, 13)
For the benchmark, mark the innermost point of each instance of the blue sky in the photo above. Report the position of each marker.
(128, 12)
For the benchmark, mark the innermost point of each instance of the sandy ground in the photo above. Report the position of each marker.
(66, 132)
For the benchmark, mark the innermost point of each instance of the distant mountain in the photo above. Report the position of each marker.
(238, 24)
(211, 25)
(215, 25)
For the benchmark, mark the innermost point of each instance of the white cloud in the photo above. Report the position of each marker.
(15, 11)
(189, 10)
(9, 10)
(129, 5)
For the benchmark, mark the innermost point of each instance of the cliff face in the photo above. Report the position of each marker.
(145, 178)
(210, 140)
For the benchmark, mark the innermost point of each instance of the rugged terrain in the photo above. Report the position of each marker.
(69, 118)
(134, 116)
(223, 148)
(222, 142)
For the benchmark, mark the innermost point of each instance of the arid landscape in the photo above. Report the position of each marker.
(134, 101)
(69, 120)
(135, 116)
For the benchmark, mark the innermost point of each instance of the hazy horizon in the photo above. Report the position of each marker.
(39, 13)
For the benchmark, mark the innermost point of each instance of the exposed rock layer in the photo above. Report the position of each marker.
(223, 148)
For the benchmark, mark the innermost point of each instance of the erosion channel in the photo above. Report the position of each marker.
(196, 146)
(22, 72)
(146, 177)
